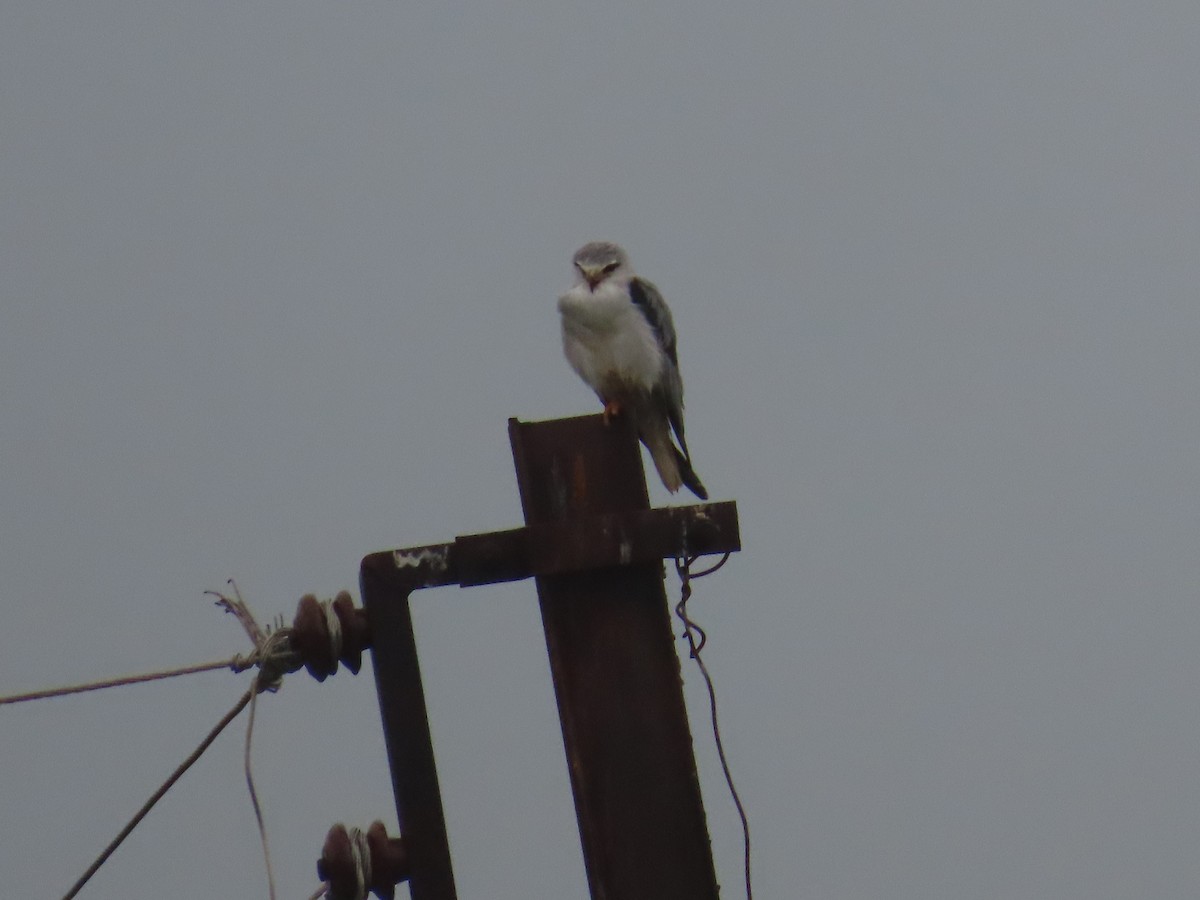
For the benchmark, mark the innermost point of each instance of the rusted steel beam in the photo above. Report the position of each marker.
(616, 674)
(387, 579)
(592, 542)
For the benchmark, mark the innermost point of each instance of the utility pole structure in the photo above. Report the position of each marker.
(595, 549)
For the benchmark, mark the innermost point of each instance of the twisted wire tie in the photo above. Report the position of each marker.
(691, 630)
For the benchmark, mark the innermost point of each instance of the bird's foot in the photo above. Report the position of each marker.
(612, 409)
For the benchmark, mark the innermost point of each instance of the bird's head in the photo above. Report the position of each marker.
(600, 260)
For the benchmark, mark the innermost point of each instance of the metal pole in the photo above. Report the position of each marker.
(387, 580)
(616, 674)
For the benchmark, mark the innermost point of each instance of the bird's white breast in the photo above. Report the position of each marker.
(607, 340)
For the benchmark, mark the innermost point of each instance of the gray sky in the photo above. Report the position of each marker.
(275, 275)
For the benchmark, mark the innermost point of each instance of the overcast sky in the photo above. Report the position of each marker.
(275, 275)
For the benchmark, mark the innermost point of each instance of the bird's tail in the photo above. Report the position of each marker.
(674, 468)
(689, 477)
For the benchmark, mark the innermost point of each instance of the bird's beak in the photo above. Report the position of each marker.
(593, 275)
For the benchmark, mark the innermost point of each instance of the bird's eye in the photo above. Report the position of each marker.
(611, 267)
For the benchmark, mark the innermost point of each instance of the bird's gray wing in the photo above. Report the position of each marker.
(653, 307)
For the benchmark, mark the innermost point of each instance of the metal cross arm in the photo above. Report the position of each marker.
(592, 543)
(595, 542)
(596, 551)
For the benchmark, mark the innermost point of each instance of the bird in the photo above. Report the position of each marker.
(619, 337)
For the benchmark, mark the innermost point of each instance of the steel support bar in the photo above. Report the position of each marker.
(386, 584)
(593, 542)
(616, 674)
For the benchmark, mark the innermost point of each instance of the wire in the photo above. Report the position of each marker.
(237, 663)
(274, 656)
(158, 794)
(262, 829)
(690, 631)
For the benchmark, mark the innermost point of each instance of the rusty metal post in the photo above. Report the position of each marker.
(387, 579)
(616, 674)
